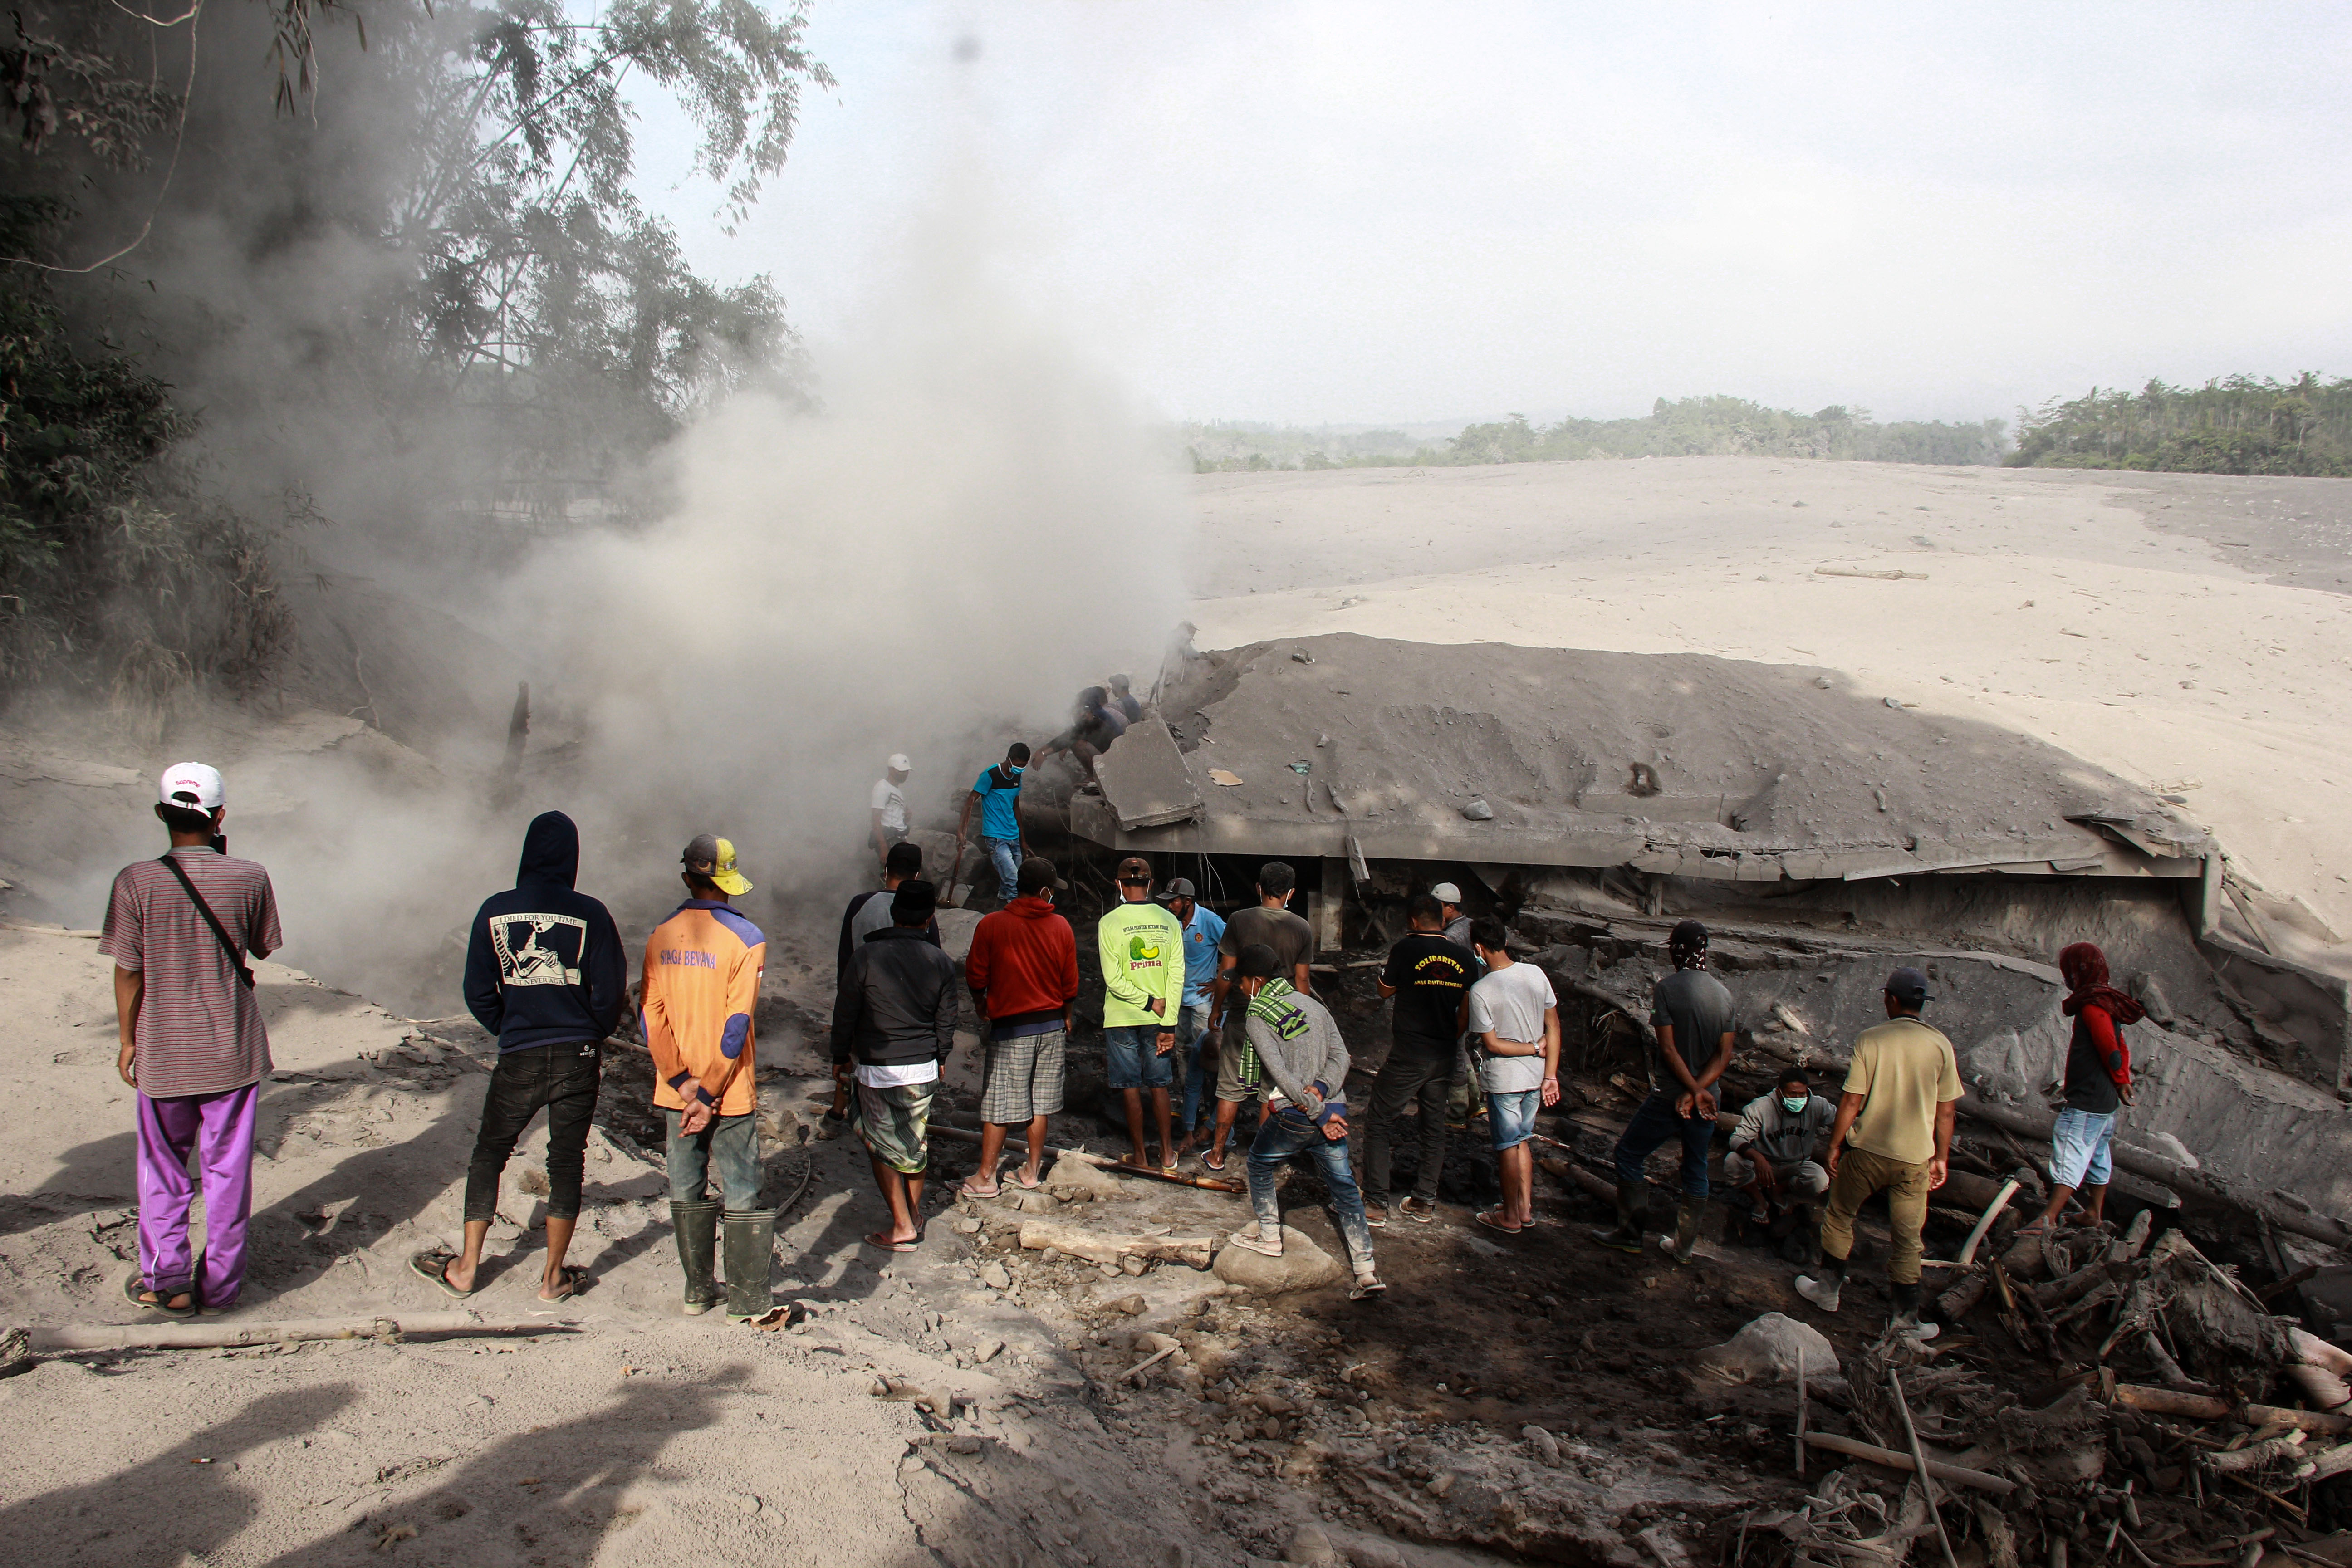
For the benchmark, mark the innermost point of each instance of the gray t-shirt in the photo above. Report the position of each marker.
(1700, 1011)
(1509, 1003)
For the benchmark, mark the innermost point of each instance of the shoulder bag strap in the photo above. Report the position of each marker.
(205, 909)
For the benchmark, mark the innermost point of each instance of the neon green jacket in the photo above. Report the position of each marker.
(1142, 951)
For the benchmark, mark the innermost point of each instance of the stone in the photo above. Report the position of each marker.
(1133, 1306)
(968, 1226)
(1309, 1546)
(1302, 1265)
(1545, 1446)
(996, 1275)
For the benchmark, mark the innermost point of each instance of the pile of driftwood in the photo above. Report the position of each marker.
(2178, 1424)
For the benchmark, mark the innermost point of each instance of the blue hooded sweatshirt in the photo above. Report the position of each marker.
(544, 966)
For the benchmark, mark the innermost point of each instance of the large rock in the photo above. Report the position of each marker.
(1767, 1350)
(1302, 1265)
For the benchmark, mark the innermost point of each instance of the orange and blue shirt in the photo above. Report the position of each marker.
(701, 983)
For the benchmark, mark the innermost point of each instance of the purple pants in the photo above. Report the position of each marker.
(218, 1129)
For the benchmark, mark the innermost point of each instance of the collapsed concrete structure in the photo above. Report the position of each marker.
(1825, 833)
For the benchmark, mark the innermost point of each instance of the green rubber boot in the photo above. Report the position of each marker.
(695, 1227)
(1627, 1237)
(751, 1248)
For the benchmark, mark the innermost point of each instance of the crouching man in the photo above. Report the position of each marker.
(701, 985)
(1771, 1157)
(1292, 1039)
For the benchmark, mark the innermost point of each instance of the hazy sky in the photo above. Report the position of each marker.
(1307, 212)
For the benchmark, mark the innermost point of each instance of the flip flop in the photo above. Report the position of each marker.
(965, 1189)
(1364, 1287)
(1026, 1183)
(575, 1279)
(1212, 1161)
(435, 1266)
(1491, 1222)
(133, 1288)
(881, 1240)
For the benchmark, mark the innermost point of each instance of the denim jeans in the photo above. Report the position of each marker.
(1004, 854)
(1657, 1122)
(1278, 1138)
(560, 1079)
(1131, 1057)
(1196, 1048)
(728, 1148)
(2080, 1148)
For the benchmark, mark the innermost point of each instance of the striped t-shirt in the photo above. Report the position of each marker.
(199, 1030)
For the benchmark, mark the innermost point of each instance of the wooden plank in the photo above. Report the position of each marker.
(1328, 904)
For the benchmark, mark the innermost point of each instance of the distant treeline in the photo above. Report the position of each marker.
(2245, 424)
(1692, 426)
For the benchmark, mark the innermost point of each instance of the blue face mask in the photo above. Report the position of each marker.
(1011, 772)
(1796, 1106)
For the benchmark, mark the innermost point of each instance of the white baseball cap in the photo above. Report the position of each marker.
(1446, 893)
(901, 764)
(194, 785)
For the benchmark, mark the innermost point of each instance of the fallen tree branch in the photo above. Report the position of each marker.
(1098, 1247)
(1855, 1448)
(2253, 1456)
(2212, 1407)
(215, 1336)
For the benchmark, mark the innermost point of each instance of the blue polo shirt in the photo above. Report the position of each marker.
(1201, 934)
(1000, 816)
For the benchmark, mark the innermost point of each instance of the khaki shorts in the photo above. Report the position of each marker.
(1230, 1045)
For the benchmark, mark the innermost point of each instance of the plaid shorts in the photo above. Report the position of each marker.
(897, 1124)
(1022, 1078)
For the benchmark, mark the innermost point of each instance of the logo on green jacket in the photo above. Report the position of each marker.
(1141, 951)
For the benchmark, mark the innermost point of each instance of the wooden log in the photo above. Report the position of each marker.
(2253, 1456)
(1961, 1298)
(1109, 1247)
(2327, 1462)
(1853, 1448)
(1925, 1472)
(200, 1335)
(1570, 1171)
(2212, 1407)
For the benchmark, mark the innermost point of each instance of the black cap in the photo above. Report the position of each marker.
(1257, 961)
(1908, 986)
(914, 903)
(1177, 888)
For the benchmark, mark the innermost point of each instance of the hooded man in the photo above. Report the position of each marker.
(701, 986)
(1293, 1040)
(1692, 1022)
(1893, 1135)
(1024, 973)
(180, 930)
(893, 1024)
(545, 973)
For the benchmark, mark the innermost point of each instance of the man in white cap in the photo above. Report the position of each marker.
(1456, 928)
(181, 930)
(889, 806)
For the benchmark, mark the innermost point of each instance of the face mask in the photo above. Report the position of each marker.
(1012, 773)
(1796, 1106)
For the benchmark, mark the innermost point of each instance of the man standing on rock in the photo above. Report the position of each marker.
(1893, 1134)
(997, 793)
(888, 807)
(893, 1025)
(1430, 978)
(700, 987)
(1204, 930)
(1515, 1019)
(1267, 924)
(1142, 949)
(181, 930)
(546, 975)
(1024, 973)
(1293, 1040)
(1690, 1011)
(1771, 1154)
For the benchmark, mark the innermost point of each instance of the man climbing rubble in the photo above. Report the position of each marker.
(700, 987)
(1430, 978)
(1269, 923)
(546, 974)
(2098, 1085)
(997, 793)
(893, 1025)
(1095, 723)
(1771, 1155)
(181, 930)
(1292, 1039)
(1893, 1134)
(1690, 1011)
(1140, 947)
(1024, 973)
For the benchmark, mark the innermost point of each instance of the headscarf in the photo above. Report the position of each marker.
(1687, 945)
(2084, 968)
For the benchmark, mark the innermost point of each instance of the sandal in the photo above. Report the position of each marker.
(575, 1280)
(882, 1239)
(1250, 1241)
(1212, 1161)
(435, 1266)
(964, 1189)
(137, 1291)
(1026, 1183)
(1492, 1221)
(1367, 1285)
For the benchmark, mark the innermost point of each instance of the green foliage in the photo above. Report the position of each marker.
(2244, 425)
(104, 542)
(1692, 426)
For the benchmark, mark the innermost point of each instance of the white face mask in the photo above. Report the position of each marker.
(1795, 1106)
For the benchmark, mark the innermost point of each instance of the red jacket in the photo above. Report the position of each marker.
(1024, 960)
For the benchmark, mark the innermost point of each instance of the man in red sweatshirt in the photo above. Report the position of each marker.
(1024, 973)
